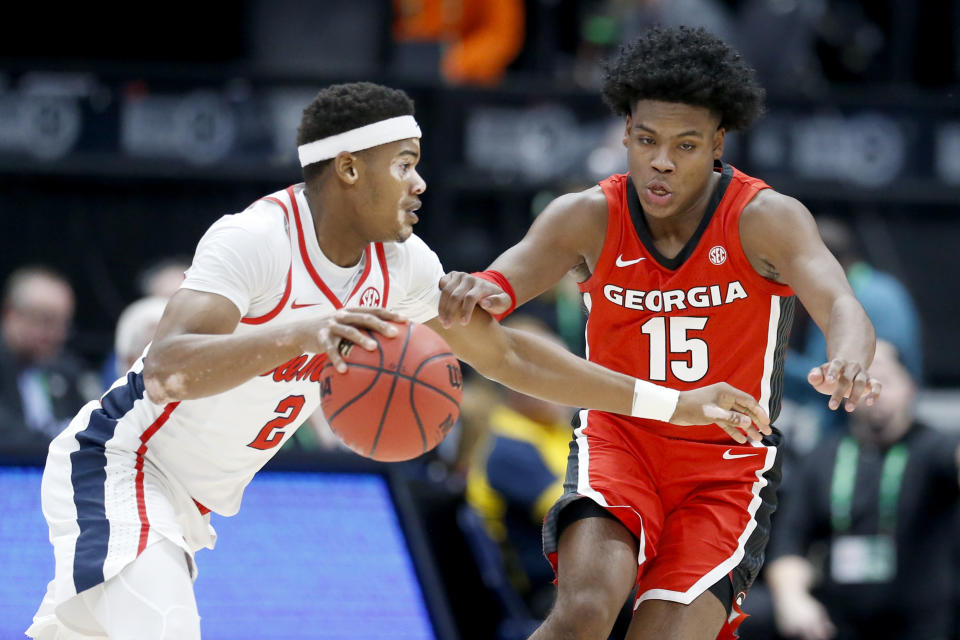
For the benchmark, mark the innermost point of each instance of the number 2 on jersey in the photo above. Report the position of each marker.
(679, 342)
(272, 433)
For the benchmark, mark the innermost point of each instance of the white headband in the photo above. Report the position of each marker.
(365, 137)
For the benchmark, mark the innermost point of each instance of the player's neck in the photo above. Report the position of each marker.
(679, 227)
(337, 239)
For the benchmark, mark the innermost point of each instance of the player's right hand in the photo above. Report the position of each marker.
(460, 293)
(348, 324)
(734, 411)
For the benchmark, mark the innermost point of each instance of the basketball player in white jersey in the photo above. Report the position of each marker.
(233, 369)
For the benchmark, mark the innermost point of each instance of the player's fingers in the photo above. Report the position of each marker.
(844, 382)
(331, 345)
(732, 422)
(873, 391)
(733, 398)
(349, 333)
(365, 319)
(450, 284)
(832, 372)
(469, 300)
(816, 377)
(860, 385)
(497, 303)
(733, 432)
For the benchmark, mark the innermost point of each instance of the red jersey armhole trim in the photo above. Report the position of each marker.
(749, 189)
(277, 309)
(382, 258)
(317, 280)
(270, 315)
(615, 193)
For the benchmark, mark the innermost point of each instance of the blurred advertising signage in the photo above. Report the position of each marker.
(867, 149)
(199, 127)
(530, 143)
(43, 118)
(948, 152)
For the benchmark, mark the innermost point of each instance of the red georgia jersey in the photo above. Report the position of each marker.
(705, 316)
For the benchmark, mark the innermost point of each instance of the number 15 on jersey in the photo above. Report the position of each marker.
(670, 336)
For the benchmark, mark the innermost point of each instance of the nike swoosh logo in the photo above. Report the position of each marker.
(733, 456)
(296, 305)
(626, 263)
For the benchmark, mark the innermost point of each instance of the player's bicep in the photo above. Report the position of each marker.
(568, 229)
(197, 312)
(783, 234)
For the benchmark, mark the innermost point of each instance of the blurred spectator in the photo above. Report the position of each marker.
(159, 280)
(887, 302)
(41, 385)
(877, 505)
(135, 330)
(516, 476)
(164, 277)
(476, 39)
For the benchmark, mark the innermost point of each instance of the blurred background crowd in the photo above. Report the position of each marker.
(118, 147)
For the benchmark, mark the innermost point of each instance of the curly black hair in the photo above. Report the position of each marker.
(689, 66)
(342, 107)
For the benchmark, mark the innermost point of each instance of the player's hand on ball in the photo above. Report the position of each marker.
(734, 411)
(841, 379)
(460, 293)
(347, 325)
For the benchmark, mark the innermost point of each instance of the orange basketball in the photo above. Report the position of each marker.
(398, 401)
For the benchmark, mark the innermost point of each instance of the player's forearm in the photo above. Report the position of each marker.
(531, 272)
(191, 366)
(850, 334)
(539, 368)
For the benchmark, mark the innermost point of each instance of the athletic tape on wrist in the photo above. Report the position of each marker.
(365, 137)
(653, 401)
(497, 278)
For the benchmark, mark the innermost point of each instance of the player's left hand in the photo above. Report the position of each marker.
(733, 410)
(461, 293)
(841, 379)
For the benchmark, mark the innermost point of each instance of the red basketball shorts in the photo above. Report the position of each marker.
(699, 511)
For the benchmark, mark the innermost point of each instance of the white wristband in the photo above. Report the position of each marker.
(653, 401)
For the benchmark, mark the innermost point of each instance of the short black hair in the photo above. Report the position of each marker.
(689, 66)
(342, 107)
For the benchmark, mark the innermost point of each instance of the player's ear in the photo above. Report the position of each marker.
(718, 139)
(345, 166)
(626, 132)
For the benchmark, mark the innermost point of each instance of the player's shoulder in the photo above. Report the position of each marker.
(772, 207)
(262, 218)
(578, 206)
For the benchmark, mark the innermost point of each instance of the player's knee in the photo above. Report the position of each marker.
(586, 614)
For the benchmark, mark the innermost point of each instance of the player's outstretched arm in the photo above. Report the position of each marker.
(563, 236)
(194, 353)
(781, 239)
(537, 367)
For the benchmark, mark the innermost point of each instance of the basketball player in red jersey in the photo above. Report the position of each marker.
(688, 269)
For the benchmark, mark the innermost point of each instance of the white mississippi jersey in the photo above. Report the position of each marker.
(266, 260)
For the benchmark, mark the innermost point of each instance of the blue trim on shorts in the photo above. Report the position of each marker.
(88, 475)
